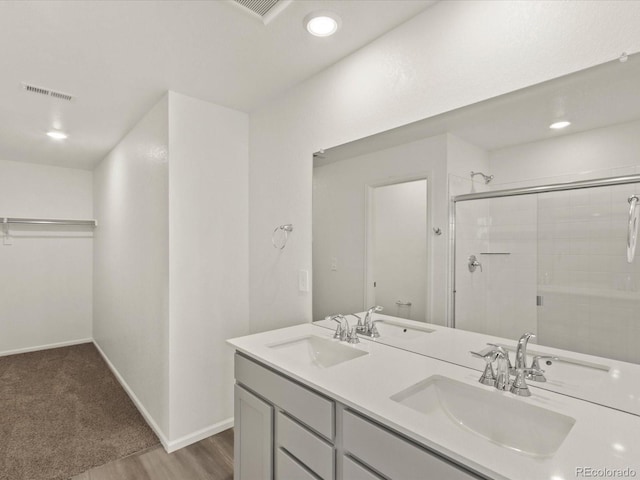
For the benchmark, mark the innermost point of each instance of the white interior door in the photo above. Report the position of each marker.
(398, 260)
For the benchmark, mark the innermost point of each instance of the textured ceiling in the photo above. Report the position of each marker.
(119, 57)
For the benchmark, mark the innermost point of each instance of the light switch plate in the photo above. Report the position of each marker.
(303, 280)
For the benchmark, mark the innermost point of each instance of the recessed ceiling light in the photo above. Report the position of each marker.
(322, 24)
(57, 135)
(559, 125)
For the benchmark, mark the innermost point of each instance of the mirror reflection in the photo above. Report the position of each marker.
(553, 263)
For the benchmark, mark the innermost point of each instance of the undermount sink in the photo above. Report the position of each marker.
(388, 329)
(317, 351)
(507, 421)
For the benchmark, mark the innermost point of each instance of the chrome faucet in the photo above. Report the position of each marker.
(369, 326)
(501, 379)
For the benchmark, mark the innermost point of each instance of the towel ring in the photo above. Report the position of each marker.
(287, 228)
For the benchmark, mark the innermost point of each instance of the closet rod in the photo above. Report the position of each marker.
(46, 221)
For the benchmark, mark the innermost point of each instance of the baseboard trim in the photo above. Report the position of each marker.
(194, 437)
(46, 347)
(143, 411)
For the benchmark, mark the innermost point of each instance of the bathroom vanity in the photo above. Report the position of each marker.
(308, 406)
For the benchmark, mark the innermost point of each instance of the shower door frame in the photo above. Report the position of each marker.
(512, 192)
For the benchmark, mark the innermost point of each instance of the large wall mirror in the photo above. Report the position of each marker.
(386, 228)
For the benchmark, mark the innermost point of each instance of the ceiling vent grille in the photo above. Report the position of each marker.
(259, 7)
(48, 92)
(265, 10)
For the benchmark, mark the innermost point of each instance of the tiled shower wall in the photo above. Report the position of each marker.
(500, 299)
(590, 292)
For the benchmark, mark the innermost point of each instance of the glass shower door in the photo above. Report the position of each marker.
(588, 293)
(498, 297)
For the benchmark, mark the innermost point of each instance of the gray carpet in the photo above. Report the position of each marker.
(62, 412)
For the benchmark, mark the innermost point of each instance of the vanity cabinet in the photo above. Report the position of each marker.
(391, 455)
(301, 427)
(287, 431)
(253, 444)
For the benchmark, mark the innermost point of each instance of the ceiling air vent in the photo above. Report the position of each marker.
(265, 10)
(48, 92)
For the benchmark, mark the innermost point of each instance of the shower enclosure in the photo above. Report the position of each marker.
(556, 260)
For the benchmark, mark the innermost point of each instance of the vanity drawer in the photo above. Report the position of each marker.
(354, 471)
(312, 409)
(288, 468)
(306, 446)
(394, 456)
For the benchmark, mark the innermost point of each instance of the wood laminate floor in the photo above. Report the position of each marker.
(209, 459)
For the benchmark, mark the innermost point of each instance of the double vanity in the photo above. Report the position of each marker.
(310, 406)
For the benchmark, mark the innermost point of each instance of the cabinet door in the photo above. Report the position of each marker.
(253, 430)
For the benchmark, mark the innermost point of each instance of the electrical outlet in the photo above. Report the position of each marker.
(334, 264)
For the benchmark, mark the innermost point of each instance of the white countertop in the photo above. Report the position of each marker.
(616, 386)
(601, 437)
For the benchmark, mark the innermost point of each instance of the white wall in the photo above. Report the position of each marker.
(594, 153)
(131, 263)
(209, 270)
(46, 274)
(451, 55)
(463, 158)
(339, 191)
(171, 263)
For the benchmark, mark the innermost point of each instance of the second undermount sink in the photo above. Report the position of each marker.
(507, 421)
(317, 351)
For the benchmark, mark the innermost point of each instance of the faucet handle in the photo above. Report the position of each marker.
(341, 329)
(536, 373)
(488, 377)
(535, 364)
(371, 311)
(484, 353)
(519, 386)
(506, 354)
(338, 332)
(374, 331)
